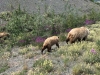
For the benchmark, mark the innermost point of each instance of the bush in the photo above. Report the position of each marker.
(4, 67)
(20, 23)
(44, 65)
(98, 44)
(83, 68)
(91, 56)
(97, 65)
(62, 37)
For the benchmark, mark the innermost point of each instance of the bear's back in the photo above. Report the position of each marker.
(74, 31)
(51, 40)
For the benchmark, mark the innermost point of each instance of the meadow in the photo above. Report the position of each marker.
(21, 54)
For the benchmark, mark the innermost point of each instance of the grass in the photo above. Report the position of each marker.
(28, 33)
(81, 55)
(43, 65)
(83, 68)
(4, 67)
(18, 73)
(78, 58)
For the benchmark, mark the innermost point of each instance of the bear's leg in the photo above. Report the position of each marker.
(72, 41)
(8, 35)
(49, 49)
(43, 49)
(57, 45)
(84, 38)
(5, 38)
(67, 40)
(79, 39)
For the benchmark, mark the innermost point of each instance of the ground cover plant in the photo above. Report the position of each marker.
(74, 59)
(20, 54)
(26, 28)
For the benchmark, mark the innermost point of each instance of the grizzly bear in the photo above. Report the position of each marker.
(4, 35)
(79, 34)
(49, 42)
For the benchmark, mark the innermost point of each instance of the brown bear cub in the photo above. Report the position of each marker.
(49, 42)
(4, 35)
(79, 34)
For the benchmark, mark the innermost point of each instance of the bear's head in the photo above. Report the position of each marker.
(70, 38)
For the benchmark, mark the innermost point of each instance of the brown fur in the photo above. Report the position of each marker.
(4, 35)
(49, 42)
(77, 34)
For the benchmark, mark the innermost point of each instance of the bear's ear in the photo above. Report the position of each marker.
(58, 36)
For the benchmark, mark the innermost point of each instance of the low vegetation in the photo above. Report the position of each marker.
(28, 31)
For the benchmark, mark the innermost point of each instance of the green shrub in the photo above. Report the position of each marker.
(83, 68)
(91, 56)
(75, 50)
(92, 0)
(4, 67)
(25, 39)
(94, 16)
(6, 15)
(29, 55)
(23, 51)
(62, 37)
(20, 23)
(98, 44)
(18, 73)
(97, 65)
(44, 65)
